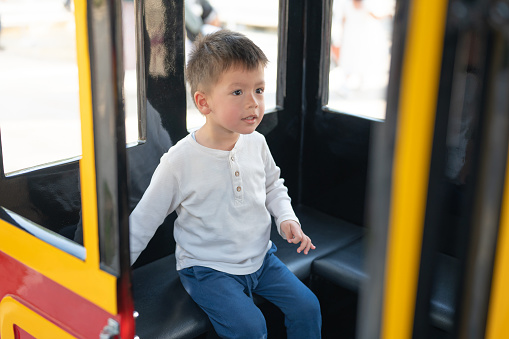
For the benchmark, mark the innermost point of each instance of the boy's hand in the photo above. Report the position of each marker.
(294, 235)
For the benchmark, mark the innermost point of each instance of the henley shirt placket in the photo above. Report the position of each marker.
(238, 189)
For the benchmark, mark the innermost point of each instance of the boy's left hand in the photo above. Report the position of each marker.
(294, 235)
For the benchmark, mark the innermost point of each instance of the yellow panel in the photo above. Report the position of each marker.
(498, 314)
(14, 313)
(76, 275)
(417, 105)
(84, 278)
(87, 163)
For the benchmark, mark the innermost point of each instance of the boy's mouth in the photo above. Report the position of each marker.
(250, 118)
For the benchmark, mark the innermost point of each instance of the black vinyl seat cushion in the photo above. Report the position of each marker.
(165, 309)
(327, 234)
(345, 267)
(443, 292)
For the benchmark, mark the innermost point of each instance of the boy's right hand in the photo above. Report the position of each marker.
(294, 234)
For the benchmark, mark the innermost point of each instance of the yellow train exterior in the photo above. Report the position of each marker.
(409, 213)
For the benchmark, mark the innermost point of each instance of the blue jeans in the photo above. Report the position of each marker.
(227, 299)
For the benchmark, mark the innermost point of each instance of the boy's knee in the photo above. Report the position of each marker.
(315, 313)
(255, 328)
(249, 326)
(308, 308)
(313, 307)
(305, 319)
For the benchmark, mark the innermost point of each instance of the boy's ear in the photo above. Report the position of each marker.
(201, 102)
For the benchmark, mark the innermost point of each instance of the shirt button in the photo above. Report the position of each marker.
(237, 173)
(233, 158)
(239, 189)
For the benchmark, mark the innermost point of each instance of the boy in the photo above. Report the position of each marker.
(223, 183)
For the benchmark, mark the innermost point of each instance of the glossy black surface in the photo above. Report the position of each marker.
(163, 34)
(50, 197)
(163, 41)
(464, 191)
(335, 146)
(486, 132)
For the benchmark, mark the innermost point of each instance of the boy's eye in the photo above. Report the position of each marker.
(237, 92)
(259, 90)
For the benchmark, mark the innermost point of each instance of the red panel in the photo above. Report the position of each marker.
(126, 307)
(19, 333)
(66, 309)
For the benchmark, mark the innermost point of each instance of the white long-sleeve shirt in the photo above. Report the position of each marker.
(223, 200)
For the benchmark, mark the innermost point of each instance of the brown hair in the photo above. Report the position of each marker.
(216, 53)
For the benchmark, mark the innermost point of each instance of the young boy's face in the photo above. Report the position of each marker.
(236, 101)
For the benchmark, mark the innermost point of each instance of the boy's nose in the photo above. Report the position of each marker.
(252, 102)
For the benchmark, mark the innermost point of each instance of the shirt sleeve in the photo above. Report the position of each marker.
(159, 200)
(278, 201)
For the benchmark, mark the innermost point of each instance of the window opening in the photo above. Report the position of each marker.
(360, 56)
(130, 74)
(39, 94)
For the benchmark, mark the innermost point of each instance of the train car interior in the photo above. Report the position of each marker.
(388, 120)
(323, 155)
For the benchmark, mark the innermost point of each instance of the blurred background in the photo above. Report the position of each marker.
(39, 100)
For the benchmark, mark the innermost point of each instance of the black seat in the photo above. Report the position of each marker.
(166, 310)
(327, 234)
(443, 293)
(345, 267)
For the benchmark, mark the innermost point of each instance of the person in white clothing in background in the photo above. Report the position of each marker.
(224, 185)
